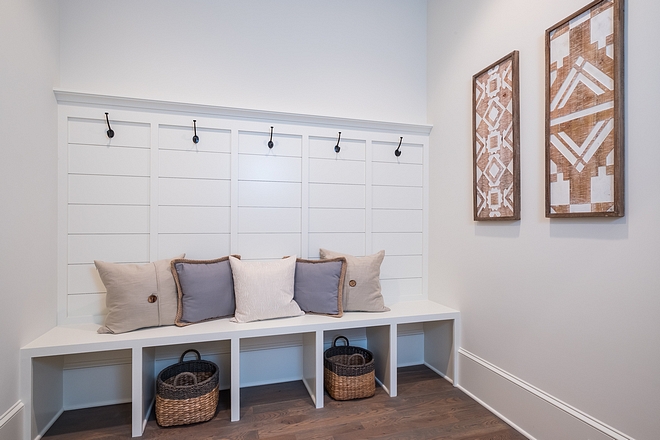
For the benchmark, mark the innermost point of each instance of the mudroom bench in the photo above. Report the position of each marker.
(42, 359)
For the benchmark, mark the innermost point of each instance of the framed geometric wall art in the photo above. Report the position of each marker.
(584, 140)
(496, 140)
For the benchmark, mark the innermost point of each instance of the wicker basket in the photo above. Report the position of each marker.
(187, 392)
(349, 372)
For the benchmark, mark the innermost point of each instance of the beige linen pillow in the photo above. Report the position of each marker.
(362, 291)
(138, 295)
(264, 289)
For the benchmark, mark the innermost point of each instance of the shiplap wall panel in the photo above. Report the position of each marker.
(194, 246)
(401, 266)
(84, 278)
(93, 132)
(193, 219)
(347, 243)
(389, 220)
(257, 143)
(268, 246)
(410, 153)
(131, 248)
(180, 138)
(332, 196)
(397, 197)
(269, 168)
(349, 149)
(108, 190)
(402, 289)
(269, 220)
(397, 243)
(193, 192)
(337, 172)
(90, 304)
(110, 160)
(337, 220)
(396, 174)
(151, 193)
(194, 164)
(269, 194)
(108, 219)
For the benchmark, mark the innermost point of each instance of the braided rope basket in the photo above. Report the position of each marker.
(187, 392)
(349, 372)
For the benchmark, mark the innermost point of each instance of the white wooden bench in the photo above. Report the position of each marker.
(42, 359)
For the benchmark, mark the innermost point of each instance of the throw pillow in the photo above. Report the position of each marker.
(138, 295)
(319, 285)
(362, 291)
(205, 290)
(264, 289)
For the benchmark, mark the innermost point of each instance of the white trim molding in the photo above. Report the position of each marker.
(10, 414)
(80, 98)
(544, 396)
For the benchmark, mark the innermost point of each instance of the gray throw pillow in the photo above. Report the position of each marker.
(138, 295)
(362, 292)
(205, 290)
(319, 284)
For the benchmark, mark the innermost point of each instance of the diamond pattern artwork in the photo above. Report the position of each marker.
(496, 126)
(583, 147)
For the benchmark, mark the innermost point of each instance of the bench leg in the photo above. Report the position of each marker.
(143, 390)
(440, 347)
(235, 387)
(382, 342)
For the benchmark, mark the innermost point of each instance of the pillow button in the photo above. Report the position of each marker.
(152, 298)
(352, 283)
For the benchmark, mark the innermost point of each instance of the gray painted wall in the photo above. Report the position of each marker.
(569, 306)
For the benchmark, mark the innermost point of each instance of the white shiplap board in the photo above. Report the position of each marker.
(151, 193)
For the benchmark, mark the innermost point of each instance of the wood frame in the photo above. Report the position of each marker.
(584, 109)
(496, 141)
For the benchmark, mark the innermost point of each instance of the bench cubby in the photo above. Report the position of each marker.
(42, 360)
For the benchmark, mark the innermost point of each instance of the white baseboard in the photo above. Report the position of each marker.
(567, 411)
(11, 422)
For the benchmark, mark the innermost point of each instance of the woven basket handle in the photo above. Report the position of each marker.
(334, 341)
(192, 350)
(356, 356)
(183, 375)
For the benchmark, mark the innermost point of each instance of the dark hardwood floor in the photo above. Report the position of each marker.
(427, 407)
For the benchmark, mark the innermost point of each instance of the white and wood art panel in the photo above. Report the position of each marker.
(496, 128)
(150, 192)
(584, 113)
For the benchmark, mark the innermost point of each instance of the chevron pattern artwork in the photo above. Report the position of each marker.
(496, 172)
(582, 147)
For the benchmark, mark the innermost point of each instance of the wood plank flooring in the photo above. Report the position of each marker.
(427, 407)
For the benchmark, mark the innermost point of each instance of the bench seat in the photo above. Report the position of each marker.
(41, 359)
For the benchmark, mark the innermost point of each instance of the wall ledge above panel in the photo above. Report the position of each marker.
(110, 101)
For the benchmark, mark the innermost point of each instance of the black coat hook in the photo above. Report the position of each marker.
(110, 132)
(270, 142)
(337, 147)
(397, 152)
(195, 138)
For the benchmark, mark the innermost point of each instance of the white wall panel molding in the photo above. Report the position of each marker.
(554, 414)
(91, 99)
(150, 192)
(11, 422)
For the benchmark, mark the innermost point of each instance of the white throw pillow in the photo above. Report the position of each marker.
(264, 289)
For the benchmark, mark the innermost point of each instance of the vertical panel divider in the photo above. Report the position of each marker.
(153, 193)
(62, 214)
(304, 206)
(233, 198)
(425, 218)
(368, 160)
